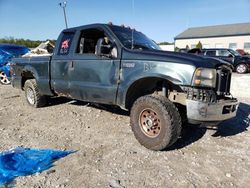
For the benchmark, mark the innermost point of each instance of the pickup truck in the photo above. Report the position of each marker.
(116, 65)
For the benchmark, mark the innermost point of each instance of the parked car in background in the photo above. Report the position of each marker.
(182, 50)
(7, 52)
(195, 51)
(240, 63)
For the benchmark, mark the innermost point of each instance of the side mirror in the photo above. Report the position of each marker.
(103, 49)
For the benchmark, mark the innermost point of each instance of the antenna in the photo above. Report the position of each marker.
(63, 5)
(133, 10)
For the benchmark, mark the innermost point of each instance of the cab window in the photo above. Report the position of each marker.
(65, 43)
(223, 53)
(88, 40)
(211, 53)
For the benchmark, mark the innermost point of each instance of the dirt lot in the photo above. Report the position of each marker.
(108, 155)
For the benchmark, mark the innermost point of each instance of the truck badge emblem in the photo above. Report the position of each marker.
(148, 66)
(128, 65)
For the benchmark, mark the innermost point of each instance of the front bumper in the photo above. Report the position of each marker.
(198, 111)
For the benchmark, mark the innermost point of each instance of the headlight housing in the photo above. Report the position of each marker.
(204, 77)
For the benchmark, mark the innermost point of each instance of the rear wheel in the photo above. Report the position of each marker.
(241, 68)
(32, 95)
(4, 79)
(155, 121)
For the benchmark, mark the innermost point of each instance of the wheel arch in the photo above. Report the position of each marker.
(28, 73)
(145, 86)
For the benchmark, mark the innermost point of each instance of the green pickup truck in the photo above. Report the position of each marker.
(116, 65)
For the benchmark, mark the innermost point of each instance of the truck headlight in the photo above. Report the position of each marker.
(204, 77)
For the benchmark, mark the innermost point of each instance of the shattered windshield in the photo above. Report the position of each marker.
(133, 39)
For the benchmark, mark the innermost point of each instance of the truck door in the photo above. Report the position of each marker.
(93, 78)
(61, 63)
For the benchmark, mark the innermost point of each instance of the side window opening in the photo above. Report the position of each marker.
(224, 53)
(211, 53)
(88, 40)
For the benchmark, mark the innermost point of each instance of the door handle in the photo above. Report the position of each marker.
(71, 65)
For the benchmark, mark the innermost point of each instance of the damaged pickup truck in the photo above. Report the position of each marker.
(109, 64)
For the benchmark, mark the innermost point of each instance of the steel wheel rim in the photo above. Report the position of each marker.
(4, 79)
(150, 123)
(241, 68)
(30, 96)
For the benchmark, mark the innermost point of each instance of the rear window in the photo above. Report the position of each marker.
(211, 53)
(65, 43)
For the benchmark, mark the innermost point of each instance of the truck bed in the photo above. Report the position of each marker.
(40, 66)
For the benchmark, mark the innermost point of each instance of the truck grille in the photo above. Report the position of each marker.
(223, 80)
(201, 95)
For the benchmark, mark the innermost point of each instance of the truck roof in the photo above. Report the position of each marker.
(73, 29)
(215, 49)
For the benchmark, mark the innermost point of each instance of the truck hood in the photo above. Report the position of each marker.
(174, 57)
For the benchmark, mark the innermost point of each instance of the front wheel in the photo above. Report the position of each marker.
(4, 79)
(155, 121)
(32, 94)
(241, 68)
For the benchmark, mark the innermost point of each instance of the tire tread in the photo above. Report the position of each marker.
(171, 114)
(40, 100)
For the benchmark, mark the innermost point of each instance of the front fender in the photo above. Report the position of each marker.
(178, 74)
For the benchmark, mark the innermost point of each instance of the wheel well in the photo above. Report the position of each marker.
(26, 76)
(146, 86)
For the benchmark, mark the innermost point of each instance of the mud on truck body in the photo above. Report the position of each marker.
(119, 66)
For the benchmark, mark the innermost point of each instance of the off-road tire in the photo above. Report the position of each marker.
(241, 68)
(169, 119)
(178, 115)
(32, 95)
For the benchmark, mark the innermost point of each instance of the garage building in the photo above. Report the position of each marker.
(234, 36)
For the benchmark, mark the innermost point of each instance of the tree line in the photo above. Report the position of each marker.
(23, 42)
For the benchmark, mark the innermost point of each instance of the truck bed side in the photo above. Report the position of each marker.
(32, 68)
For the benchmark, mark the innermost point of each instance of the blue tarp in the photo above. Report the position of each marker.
(4, 57)
(15, 50)
(26, 161)
(7, 52)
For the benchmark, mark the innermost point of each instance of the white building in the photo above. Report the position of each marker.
(168, 47)
(234, 36)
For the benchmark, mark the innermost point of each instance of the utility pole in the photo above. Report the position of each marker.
(63, 5)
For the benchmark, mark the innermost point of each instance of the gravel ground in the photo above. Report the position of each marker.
(108, 155)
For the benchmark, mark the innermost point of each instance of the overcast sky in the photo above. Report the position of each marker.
(161, 20)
